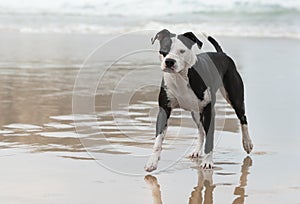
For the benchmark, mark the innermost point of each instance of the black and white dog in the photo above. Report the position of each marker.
(190, 82)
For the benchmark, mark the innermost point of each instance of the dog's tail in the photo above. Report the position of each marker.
(215, 44)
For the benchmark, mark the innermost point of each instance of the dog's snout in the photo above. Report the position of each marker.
(170, 62)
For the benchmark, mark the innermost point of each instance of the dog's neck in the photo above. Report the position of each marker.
(183, 73)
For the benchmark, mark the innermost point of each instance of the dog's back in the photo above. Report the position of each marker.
(214, 65)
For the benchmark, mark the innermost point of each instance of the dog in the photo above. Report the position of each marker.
(190, 81)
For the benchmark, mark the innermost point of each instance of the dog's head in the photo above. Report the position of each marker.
(176, 50)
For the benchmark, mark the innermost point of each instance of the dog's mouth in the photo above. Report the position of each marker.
(169, 69)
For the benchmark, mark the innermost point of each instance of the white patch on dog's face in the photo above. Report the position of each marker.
(183, 56)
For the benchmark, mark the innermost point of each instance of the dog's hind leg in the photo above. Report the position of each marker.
(161, 128)
(224, 94)
(234, 87)
(198, 149)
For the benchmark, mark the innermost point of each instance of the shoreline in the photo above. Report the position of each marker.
(44, 159)
(71, 50)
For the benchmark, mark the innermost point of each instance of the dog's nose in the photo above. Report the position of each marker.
(170, 62)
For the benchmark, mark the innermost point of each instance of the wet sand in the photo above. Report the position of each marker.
(50, 155)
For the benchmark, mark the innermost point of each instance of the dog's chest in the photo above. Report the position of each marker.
(180, 94)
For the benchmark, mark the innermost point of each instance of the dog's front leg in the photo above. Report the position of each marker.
(208, 121)
(198, 149)
(161, 128)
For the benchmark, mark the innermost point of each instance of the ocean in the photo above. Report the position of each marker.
(258, 18)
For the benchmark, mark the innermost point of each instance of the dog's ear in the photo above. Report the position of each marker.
(161, 35)
(192, 40)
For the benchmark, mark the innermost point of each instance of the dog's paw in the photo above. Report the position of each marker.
(207, 161)
(152, 162)
(207, 164)
(247, 144)
(196, 153)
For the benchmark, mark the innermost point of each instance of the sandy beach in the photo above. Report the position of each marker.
(50, 155)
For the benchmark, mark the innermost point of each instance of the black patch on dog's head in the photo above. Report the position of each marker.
(189, 39)
(164, 37)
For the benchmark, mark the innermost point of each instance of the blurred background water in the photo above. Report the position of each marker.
(220, 17)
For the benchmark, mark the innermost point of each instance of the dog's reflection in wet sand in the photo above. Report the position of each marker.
(205, 182)
(155, 187)
(240, 190)
(203, 192)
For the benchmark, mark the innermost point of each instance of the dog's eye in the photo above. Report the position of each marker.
(182, 51)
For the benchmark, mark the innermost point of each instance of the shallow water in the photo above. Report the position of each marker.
(51, 154)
